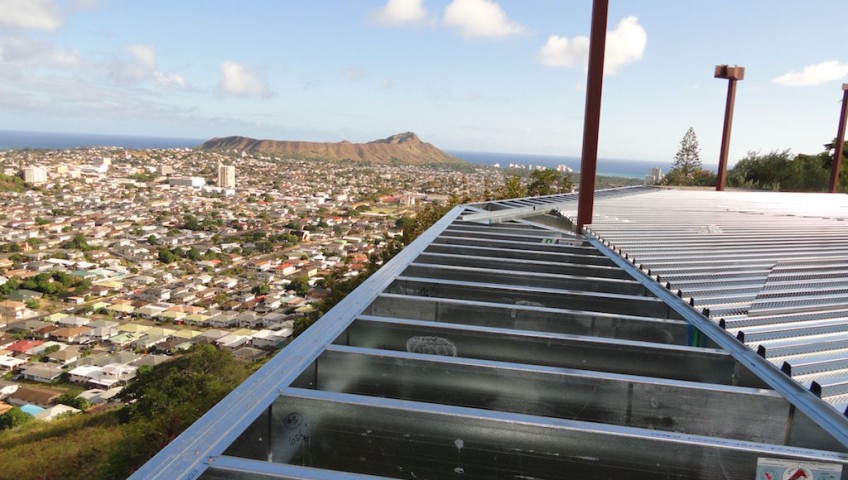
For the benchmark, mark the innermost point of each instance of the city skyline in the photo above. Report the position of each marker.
(474, 75)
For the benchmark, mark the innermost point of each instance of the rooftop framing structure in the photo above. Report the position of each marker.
(501, 345)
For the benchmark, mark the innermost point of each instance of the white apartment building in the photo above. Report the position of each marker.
(226, 176)
(35, 175)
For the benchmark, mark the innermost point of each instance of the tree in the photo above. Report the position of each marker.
(548, 182)
(778, 170)
(299, 285)
(687, 161)
(193, 254)
(512, 187)
(13, 418)
(221, 298)
(190, 222)
(167, 256)
(72, 400)
(165, 399)
(63, 278)
(33, 304)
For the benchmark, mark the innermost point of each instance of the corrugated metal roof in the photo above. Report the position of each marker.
(509, 348)
(773, 267)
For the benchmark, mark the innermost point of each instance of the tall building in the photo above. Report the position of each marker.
(226, 176)
(653, 177)
(35, 175)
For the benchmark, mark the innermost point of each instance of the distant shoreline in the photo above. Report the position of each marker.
(10, 139)
(606, 166)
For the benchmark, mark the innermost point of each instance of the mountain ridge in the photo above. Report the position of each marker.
(404, 148)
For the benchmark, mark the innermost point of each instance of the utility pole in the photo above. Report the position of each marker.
(732, 74)
(840, 141)
(592, 118)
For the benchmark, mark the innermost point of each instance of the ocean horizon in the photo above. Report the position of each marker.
(10, 139)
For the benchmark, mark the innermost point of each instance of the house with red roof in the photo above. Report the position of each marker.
(25, 347)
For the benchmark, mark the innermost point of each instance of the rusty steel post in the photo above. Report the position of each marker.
(840, 141)
(592, 117)
(731, 74)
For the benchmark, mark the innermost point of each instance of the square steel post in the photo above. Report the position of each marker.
(592, 118)
(840, 141)
(732, 74)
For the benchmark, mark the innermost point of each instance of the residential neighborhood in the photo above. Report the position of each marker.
(113, 261)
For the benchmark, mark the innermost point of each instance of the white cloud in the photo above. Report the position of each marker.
(140, 66)
(400, 13)
(817, 74)
(480, 19)
(25, 51)
(41, 15)
(240, 81)
(562, 52)
(624, 45)
(145, 55)
(169, 79)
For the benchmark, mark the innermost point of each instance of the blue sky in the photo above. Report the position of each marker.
(480, 75)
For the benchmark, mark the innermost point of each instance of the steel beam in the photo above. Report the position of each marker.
(523, 278)
(592, 118)
(633, 401)
(540, 348)
(523, 252)
(542, 297)
(529, 317)
(390, 437)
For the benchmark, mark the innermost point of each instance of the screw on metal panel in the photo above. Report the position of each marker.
(691, 301)
(680, 293)
(722, 324)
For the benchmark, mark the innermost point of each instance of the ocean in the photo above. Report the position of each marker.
(16, 140)
(606, 166)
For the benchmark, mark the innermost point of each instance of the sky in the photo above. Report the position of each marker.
(475, 75)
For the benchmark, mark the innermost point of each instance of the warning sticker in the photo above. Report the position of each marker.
(780, 469)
